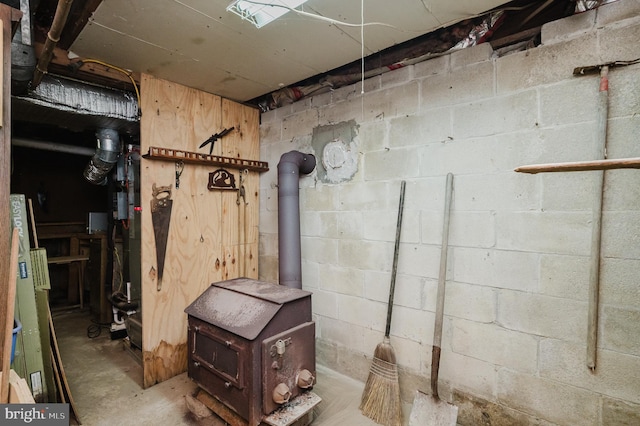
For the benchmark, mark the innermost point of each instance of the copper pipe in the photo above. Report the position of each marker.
(53, 36)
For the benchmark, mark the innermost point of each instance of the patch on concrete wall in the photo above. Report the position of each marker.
(336, 147)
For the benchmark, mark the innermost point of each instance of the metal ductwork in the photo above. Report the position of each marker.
(23, 63)
(291, 165)
(52, 146)
(105, 157)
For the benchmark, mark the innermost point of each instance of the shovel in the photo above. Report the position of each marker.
(430, 409)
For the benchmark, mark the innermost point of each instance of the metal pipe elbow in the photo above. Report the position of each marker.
(105, 157)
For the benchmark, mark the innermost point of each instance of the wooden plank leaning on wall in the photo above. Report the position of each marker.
(204, 238)
(9, 17)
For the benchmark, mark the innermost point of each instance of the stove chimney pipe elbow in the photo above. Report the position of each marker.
(291, 165)
(105, 157)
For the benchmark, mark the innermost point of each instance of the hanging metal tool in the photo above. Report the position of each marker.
(214, 138)
(242, 203)
(241, 190)
(596, 221)
(161, 205)
(600, 165)
(179, 169)
(432, 410)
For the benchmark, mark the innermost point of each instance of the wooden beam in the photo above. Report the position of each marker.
(79, 16)
(515, 38)
(66, 259)
(8, 16)
(581, 166)
(62, 65)
(224, 412)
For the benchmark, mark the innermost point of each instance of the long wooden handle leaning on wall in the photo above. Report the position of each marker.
(442, 279)
(581, 166)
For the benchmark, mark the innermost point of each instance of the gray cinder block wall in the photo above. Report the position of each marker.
(514, 344)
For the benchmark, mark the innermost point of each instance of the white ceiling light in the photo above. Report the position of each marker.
(260, 13)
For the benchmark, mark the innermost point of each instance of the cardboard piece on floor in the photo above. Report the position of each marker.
(39, 263)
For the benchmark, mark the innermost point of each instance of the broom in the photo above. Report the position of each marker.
(381, 396)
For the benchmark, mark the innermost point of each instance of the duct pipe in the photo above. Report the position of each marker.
(105, 157)
(52, 146)
(53, 36)
(289, 248)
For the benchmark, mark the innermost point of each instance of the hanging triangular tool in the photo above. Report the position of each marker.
(161, 204)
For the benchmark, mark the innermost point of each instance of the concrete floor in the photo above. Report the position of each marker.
(106, 385)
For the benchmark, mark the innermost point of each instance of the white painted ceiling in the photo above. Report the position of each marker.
(199, 44)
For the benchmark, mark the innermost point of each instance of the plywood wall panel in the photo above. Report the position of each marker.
(246, 123)
(203, 240)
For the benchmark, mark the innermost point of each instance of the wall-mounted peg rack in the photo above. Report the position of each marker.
(176, 155)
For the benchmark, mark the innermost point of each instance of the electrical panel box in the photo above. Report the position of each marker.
(97, 222)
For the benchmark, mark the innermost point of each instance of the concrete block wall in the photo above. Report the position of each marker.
(514, 344)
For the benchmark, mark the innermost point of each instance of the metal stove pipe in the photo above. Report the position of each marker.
(289, 248)
(105, 157)
(52, 146)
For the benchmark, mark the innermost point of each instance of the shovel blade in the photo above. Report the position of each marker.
(429, 411)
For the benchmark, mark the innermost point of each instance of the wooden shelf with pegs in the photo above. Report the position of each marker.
(176, 155)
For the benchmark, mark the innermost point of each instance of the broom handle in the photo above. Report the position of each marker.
(394, 269)
(437, 329)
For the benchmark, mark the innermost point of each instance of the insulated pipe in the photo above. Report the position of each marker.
(291, 165)
(105, 157)
(53, 146)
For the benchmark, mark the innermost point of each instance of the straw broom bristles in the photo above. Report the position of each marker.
(381, 395)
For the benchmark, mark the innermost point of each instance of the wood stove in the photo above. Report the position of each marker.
(252, 345)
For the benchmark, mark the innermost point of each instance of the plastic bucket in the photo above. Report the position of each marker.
(17, 326)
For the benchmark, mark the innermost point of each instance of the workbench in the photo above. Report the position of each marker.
(87, 258)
